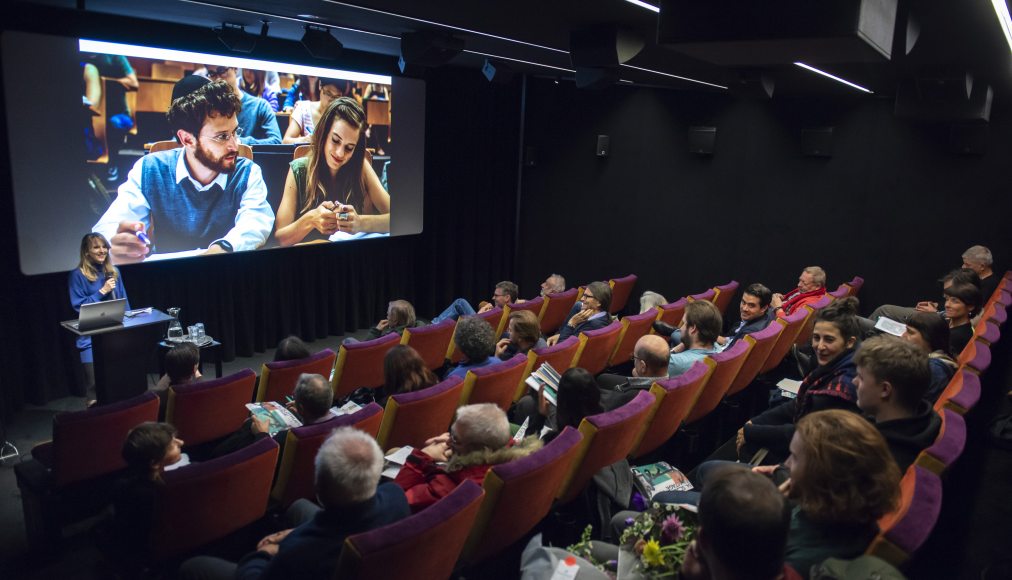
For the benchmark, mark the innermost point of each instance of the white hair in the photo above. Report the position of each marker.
(978, 255)
(482, 425)
(348, 468)
(818, 275)
(651, 300)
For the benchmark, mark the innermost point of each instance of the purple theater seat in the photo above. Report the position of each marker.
(709, 295)
(411, 418)
(725, 293)
(948, 446)
(906, 530)
(621, 289)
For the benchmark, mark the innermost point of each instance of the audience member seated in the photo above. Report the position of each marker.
(930, 333)
(478, 439)
(171, 188)
(334, 188)
(524, 334)
(254, 83)
(579, 396)
(962, 275)
(650, 364)
(306, 113)
(892, 377)
(149, 449)
(590, 314)
(291, 348)
(743, 526)
(553, 284)
(754, 311)
(811, 287)
(181, 367)
(306, 88)
(400, 315)
(312, 399)
(257, 123)
(348, 468)
(651, 300)
(829, 386)
(697, 333)
(843, 479)
(505, 292)
(962, 302)
(476, 339)
(404, 371)
(980, 260)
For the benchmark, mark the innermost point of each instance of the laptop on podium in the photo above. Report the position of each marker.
(101, 314)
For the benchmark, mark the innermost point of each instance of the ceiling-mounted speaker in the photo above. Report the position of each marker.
(235, 37)
(595, 78)
(957, 99)
(320, 43)
(429, 49)
(497, 72)
(702, 140)
(603, 46)
(782, 32)
(817, 142)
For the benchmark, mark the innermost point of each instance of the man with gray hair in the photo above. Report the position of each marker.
(554, 284)
(478, 439)
(980, 260)
(348, 468)
(811, 287)
(313, 397)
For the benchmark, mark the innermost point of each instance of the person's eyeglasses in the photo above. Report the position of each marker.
(453, 439)
(498, 295)
(587, 296)
(225, 136)
(217, 73)
(330, 95)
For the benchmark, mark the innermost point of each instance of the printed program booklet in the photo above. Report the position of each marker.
(657, 477)
(548, 378)
(279, 417)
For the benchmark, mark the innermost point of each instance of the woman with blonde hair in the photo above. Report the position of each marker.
(95, 279)
(524, 334)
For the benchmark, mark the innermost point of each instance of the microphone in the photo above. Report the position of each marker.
(111, 275)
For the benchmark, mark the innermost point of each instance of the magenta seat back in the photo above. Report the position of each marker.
(709, 295)
(728, 364)
(672, 312)
(621, 289)
(424, 545)
(411, 418)
(597, 347)
(87, 444)
(855, 285)
(634, 327)
(519, 494)
(206, 501)
(675, 399)
(793, 324)
(841, 292)
(496, 318)
(557, 307)
(277, 379)
(948, 446)
(559, 355)
(534, 306)
(763, 343)
(805, 336)
(361, 364)
(725, 293)
(297, 471)
(430, 341)
(906, 531)
(206, 410)
(495, 384)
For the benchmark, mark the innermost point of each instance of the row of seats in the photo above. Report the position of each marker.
(902, 533)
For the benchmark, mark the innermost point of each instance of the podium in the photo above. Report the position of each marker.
(121, 354)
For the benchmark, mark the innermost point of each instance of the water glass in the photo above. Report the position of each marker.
(192, 330)
(200, 330)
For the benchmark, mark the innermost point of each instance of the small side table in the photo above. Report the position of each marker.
(210, 352)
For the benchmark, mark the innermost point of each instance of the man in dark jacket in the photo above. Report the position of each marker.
(348, 468)
(892, 377)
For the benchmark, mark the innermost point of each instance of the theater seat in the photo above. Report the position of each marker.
(634, 327)
(763, 342)
(674, 399)
(494, 383)
(710, 295)
(621, 289)
(948, 445)
(424, 545)
(430, 341)
(793, 324)
(672, 312)
(361, 364)
(805, 336)
(725, 293)
(296, 472)
(596, 347)
(559, 356)
(855, 285)
(555, 310)
(495, 318)
(411, 418)
(905, 531)
(277, 379)
(206, 410)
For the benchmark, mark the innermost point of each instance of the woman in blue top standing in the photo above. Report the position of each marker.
(95, 279)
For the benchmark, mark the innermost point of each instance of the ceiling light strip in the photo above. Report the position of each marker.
(485, 54)
(315, 22)
(642, 4)
(230, 61)
(1001, 11)
(657, 72)
(835, 78)
(450, 26)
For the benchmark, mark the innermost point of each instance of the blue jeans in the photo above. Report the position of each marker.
(458, 308)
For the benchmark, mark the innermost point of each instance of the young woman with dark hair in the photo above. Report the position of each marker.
(930, 332)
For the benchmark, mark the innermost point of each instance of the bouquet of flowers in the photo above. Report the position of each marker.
(658, 538)
(652, 546)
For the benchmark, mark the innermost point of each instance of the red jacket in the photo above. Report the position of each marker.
(424, 481)
(796, 299)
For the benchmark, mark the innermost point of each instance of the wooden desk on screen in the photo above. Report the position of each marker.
(154, 95)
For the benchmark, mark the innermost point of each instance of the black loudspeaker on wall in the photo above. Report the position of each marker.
(817, 142)
(603, 146)
(702, 140)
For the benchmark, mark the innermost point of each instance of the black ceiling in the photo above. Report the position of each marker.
(954, 34)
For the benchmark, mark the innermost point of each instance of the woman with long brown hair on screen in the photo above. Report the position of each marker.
(334, 188)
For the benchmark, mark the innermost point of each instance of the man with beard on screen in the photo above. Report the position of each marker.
(201, 196)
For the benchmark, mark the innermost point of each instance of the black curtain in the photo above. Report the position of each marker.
(249, 301)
